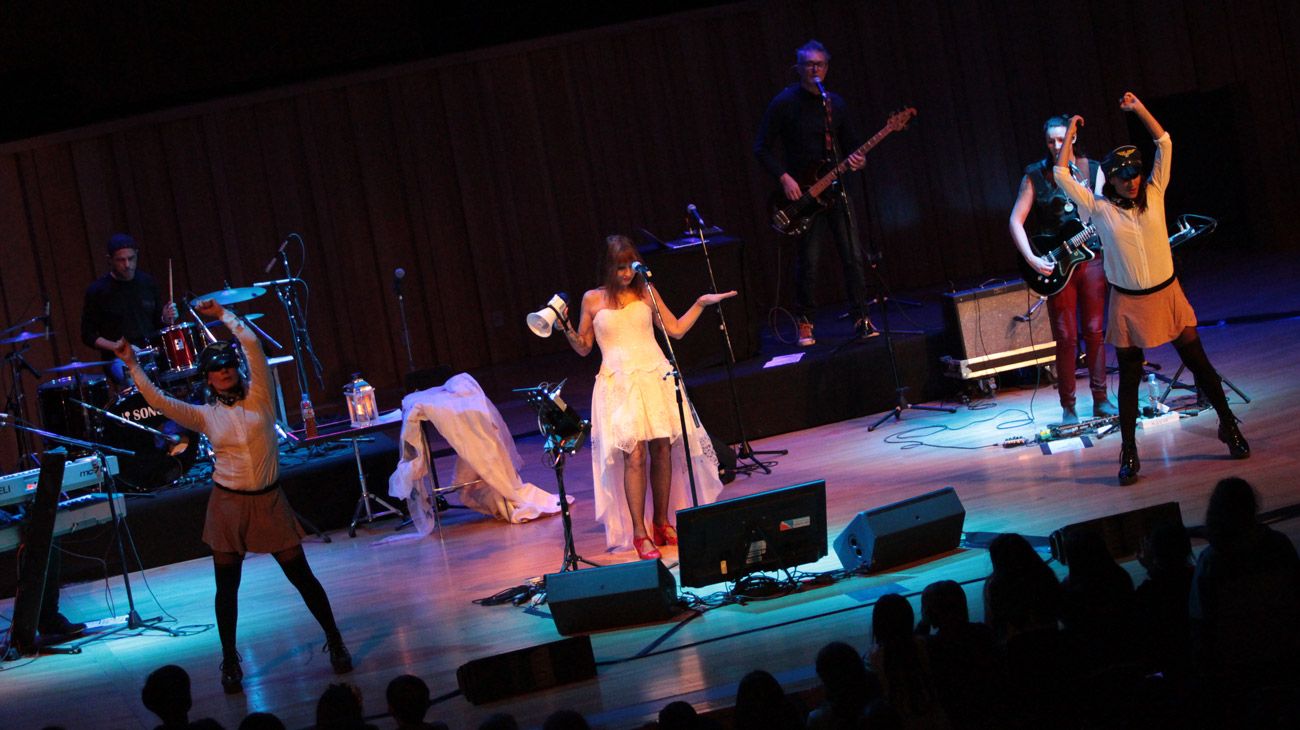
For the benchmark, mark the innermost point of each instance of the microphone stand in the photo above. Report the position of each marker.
(744, 451)
(106, 484)
(406, 334)
(680, 388)
(298, 327)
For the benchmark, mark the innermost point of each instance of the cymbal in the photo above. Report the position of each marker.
(24, 337)
(77, 365)
(230, 295)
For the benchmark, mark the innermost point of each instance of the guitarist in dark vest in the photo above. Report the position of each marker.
(1043, 208)
(796, 122)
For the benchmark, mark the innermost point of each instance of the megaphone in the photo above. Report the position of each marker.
(542, 322)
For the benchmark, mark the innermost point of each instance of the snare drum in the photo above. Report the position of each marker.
(60, 415)
(180, 345)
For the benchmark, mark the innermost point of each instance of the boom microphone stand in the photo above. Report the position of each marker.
(744, 451)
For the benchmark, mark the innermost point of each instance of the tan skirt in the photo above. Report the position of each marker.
(250, 523)
(1148, 320)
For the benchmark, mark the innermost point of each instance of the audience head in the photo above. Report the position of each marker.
(339, 707)
(1010, 552)
(681, 715)
(892, 620)
(1166, 550)
(1087, 555)
(761, 703)
(261, 721)
(566, 720)
(1232, 510)
(166, 693)
(408, 699)
(849, 686)
(943, 605)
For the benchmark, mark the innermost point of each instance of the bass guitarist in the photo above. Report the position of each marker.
(796, 122)
(1082, 300)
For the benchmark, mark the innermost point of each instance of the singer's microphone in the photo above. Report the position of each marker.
(398, 274)
(695, 215)
(641, 269)
(820, 89)
(271, 264)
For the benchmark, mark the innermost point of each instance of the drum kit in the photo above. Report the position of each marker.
(87, 405)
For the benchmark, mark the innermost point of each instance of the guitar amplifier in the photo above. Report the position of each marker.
(992, 334)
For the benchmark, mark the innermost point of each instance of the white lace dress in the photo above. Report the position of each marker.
(633, 401)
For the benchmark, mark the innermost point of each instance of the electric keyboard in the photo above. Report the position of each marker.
(74, 514)
(78, 474)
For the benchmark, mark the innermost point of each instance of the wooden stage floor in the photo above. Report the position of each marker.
(406, 606)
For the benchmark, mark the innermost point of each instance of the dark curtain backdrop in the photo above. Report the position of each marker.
(491, 177)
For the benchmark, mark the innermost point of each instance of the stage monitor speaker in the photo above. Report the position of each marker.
(902, 532)
(1122, 532)
(990, 338)
(611, 595)
(527, 670)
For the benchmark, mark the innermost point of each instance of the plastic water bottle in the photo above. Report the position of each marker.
(1153, 396)
(308, 418)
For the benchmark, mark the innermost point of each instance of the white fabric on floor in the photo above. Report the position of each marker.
(484, 449)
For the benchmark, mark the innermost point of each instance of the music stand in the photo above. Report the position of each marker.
(564, 431)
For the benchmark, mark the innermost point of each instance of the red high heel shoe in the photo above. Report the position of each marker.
(665, 534)
(645, 549)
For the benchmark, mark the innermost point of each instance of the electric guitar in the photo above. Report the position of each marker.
(1074, 244)
(793, 217)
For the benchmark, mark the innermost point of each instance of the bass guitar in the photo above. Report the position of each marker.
(793, 217)
(1074, 244)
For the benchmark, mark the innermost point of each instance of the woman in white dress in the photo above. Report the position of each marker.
(634, 408)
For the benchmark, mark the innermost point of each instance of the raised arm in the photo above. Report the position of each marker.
(677, 327)
(259, 372)
(1160, 167)
(1081, 196)
(1130, 103)
(186, 414)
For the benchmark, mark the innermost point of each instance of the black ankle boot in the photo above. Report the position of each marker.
(340, 657)
(1128, 464)
(1231, 435)
(232, 677)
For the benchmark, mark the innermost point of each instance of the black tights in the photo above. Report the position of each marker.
(228, 568)
(1188, 345)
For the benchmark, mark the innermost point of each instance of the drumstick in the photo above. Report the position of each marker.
(171, 292)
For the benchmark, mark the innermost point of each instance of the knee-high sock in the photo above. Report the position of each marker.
(1130, 377)
(227, 602)
(1207, 378)
(297, 570)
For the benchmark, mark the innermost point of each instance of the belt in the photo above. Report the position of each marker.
(250, 492)
(1144, 292)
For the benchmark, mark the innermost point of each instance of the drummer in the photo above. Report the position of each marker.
(124, 303)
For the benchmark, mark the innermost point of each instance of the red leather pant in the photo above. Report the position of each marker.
(1083, 300)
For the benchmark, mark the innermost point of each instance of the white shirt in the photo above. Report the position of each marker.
(1136, 244)
(246, 453)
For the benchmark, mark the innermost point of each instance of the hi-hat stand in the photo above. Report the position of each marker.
(744, 451)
